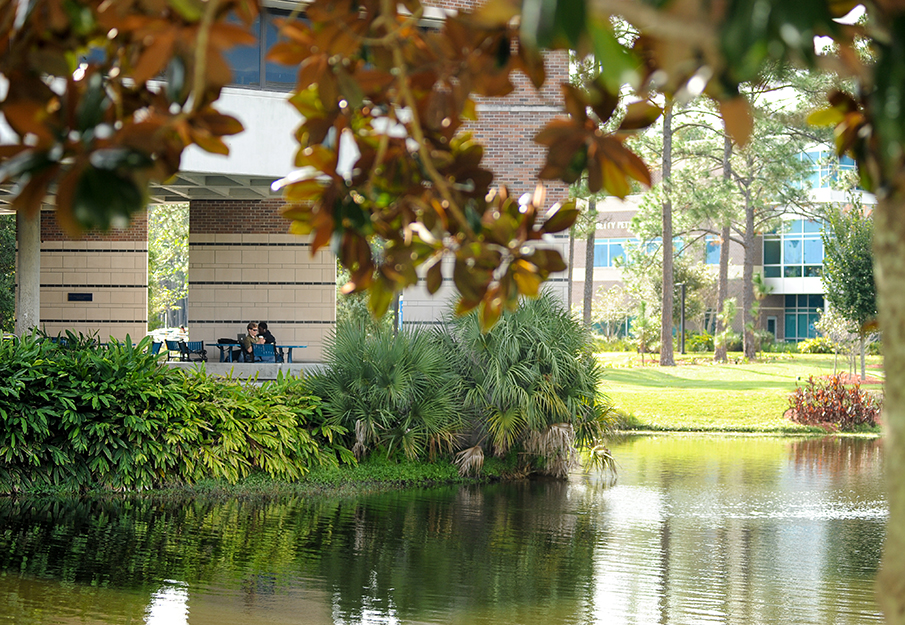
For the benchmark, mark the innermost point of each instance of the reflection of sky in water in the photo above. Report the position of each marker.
(169, 605)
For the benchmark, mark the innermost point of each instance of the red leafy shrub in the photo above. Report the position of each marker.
(827, 401)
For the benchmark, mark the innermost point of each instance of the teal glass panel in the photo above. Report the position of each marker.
(791, 301)
(794, 227)
(813, 318)
(790, 326)
(802, 326)
(813, 271)
(772, 272)
(793, 271)
(772, 252)
(815, 302)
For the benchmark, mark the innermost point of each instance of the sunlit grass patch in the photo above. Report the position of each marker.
(698, 395)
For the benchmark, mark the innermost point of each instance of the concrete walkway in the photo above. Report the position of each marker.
(261, 370)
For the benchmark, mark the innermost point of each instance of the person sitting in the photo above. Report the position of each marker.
(269, 339)
(249, 340)
(264, 333)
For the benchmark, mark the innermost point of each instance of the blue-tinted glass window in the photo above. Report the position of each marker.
(245, 61)
(791, 249)
(791, 301)
(772, 272)
(277, 74)
(811, 226)
(815, 302)
(616, 251)
(713, 252)
(792, 271)
(794, 227)
(601, 255)
(813, 251)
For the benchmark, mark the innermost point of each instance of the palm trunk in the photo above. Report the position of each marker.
(889, 271)
(667, 358)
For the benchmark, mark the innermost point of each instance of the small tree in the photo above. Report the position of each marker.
(848, 268)
(726, 317)
(644, 330)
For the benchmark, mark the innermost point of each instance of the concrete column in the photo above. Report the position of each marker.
(28, 273)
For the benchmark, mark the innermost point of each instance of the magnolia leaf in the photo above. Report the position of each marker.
(561, 220)
(639, 115)
(189, 10)
(207, 142)
(490, 312)
(31, 196)
(156, 56)
(381, 294)
(620, 63)
(615, 180)
(104, 198)
(737, 119)
(576, 102)
(830, 116)
(434, 278)
(26, 117)
(526, 277)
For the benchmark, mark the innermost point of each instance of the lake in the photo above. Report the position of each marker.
(696, 529)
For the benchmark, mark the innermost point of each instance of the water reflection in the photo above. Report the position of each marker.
(697, 530)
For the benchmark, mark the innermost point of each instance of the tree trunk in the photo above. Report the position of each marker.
(889, 272)
(719, 352)
(667, 358)
(748, 285)
(589, 263)
(571, 271)
(863, 372)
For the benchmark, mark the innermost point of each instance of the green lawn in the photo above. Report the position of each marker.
(698, 395)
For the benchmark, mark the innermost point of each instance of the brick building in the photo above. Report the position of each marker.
(243, 264)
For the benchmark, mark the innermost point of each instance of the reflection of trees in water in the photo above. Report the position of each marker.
(837, 457)
(408, 552)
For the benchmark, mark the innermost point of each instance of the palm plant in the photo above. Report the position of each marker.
(530, 384)
(395, 393)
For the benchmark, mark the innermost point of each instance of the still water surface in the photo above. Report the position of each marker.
(696, 530)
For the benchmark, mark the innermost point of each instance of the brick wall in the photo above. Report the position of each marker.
(244, 266)
(97, 283)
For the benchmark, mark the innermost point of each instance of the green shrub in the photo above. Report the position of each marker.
(829, 402)
(530, 384)
(613, 344)
(398, 393)
(819, 345)
(702, 342)
(77, 416)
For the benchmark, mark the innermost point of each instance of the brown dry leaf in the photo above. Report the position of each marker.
(156, 56)
(26, 117)
(738, 120)
(31, 197)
